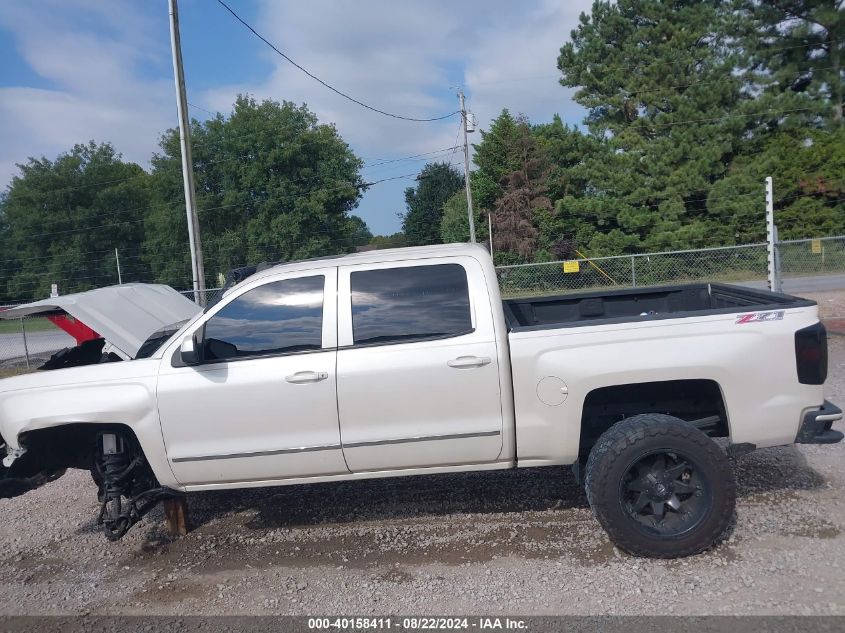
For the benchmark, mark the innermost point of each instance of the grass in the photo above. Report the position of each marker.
(32, 325)
(8, 372)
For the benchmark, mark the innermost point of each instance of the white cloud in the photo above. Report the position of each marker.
(93, 57)
(387, 54)
(407, 58)
(109, 77)
(514, 65)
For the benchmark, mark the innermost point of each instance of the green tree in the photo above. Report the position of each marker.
(435, 185)
(795, 51)
(455, 224)
(521, 170)
(357, 231)
(657, 80)
(496, 156)
(396, 240)
(568, 154)
(808, 172)
(273, 184)
(61, 220)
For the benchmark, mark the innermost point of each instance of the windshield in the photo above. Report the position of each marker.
(159, 338)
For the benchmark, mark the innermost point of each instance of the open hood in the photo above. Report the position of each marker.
(124, 316)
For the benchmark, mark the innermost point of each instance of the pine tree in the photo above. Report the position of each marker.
(424, 215)
(523, 200)
(656, 78)
(795, 51)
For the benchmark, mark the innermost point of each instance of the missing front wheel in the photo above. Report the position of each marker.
(127, 487)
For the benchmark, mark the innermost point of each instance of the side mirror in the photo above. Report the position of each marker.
(188, 351)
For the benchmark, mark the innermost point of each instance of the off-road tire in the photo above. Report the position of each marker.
(632, 440)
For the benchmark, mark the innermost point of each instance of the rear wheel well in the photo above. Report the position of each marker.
(698, 402)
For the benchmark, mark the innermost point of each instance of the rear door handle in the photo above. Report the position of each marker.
(468, 362)
(301, 377)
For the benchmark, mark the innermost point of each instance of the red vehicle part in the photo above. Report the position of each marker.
(77, 329)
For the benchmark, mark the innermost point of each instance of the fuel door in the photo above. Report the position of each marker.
(552, 391)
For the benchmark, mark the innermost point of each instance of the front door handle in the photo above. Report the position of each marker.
(301, 377)
(468, 362)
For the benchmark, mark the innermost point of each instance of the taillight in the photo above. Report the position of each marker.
(811, 354)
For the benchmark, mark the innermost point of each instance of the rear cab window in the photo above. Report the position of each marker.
(409, 303)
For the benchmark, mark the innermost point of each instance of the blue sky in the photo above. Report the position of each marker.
(75, 70)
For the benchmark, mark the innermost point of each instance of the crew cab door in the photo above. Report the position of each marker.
(261, 403)
(418, 376)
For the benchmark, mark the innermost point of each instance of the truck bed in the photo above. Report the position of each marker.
(641, 304)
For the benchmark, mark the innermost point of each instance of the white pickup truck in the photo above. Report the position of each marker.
(408, 362)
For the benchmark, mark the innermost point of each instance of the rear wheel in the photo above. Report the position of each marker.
(660, 487)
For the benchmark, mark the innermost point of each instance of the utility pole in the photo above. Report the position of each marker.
(490, 231)
(470, 215)
(117, 260)
(197, 268)
(771, 238)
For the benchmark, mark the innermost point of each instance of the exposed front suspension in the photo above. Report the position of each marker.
(128, 488)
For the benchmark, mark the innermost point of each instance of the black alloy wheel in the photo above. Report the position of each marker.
(660, 487)
(666, 492)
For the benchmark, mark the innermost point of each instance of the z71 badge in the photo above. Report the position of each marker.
(756, 317)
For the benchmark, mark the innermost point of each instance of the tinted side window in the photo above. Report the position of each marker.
(397, 304)
(278, 317)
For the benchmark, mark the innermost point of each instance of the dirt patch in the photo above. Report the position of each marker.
(815, 528)
(835, 326)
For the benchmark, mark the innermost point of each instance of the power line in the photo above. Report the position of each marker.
(416, 176)
(651, 63)
(727, 197)
(685, 201)
(207, 142)
(338, 185)
(649, 123)
(385, 161)
(159, 170)
(303, 194)
(382, 161)
(52, 255)
(457, 136)
(796, 46)
(741, 77)
(203, 109)
(612, 201)
(203, 163)
(415, 156)
(329, 86)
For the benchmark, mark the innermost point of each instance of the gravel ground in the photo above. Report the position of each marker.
(508, 542)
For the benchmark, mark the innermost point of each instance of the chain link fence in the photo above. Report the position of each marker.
(728, 264)
(207, 297)
(27, 343)
(812, 258)
(809, 258)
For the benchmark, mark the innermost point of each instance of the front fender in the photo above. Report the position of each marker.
(54, 399)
